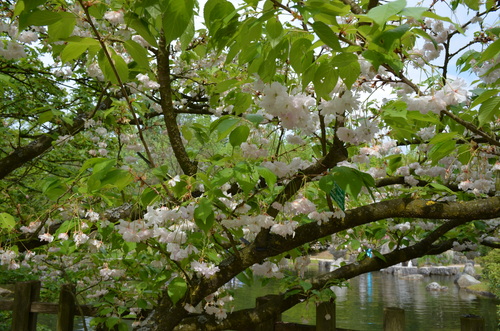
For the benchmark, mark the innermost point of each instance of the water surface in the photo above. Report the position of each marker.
(361, 306)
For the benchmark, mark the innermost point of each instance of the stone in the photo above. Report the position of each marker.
(435, 287)
(426, 271)
(444, 271)
(466, 280)
(404, 271)
(413, 277)
(469, 269)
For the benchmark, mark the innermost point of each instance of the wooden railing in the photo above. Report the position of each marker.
(26, 306)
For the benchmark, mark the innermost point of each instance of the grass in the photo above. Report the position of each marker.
(481, 287)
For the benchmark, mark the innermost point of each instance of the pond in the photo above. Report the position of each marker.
(361, 306)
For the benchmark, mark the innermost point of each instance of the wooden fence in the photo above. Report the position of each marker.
(26, 306)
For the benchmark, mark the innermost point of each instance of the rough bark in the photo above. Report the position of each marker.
(188, 167)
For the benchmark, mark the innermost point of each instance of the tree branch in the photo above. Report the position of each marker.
(472, 128)
(251, 317)
(174, 135)
(458, 212)
(22, 155)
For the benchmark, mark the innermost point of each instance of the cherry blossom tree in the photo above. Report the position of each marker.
(152, 151)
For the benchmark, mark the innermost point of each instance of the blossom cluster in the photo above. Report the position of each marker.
(282, 169)
(452, 93)
(293, 110)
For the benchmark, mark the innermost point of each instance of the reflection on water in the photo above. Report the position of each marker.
(361, 306)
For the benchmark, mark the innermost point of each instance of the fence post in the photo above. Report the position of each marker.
(394, 319)
(471, 323)
(269, 324)
(66, 314)
(24, 294)
(325, 316)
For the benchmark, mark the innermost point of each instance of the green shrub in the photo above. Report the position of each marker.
(491, 273)
(491, 270)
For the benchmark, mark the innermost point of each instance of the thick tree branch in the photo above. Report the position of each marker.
(459, 212)
(243, 319)
(174, 135)
(37, 147)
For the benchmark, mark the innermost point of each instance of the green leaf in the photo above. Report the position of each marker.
(443, 137)
(246, 277)
(491, 51)
(255, 118)
(387, 38)
(244, 176)
(268, 176)
(489, 110)
(7, 221)
(415, 12)
(224, 125)
(325, 79)
(441, 149)
(301, 56)
(138, 53)
(176, 289)
(377, 59)
(148, 196)
(41, 18)
(53, 188)
(63, 28)
(326, 34)
(239, 135)
(441, 187)
(102, 167)
(141, 27)
(352, 180)
(483, 97)
(223, 176)
(472, 4)
(121, 67)
(204, 215)
(74, 49)
(45, 116)
(305, 285)
(424, 34)
(355, 244)
(176, 18)
(226, 85)
(274, 28)
(480, 225)
(379, 255)
(348, 67)
(382, 14)
(19, 8)
(442, 18)
(91, 163)
(327, 183)
(118, 178)
(188, 35)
